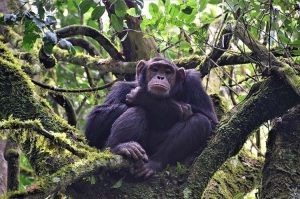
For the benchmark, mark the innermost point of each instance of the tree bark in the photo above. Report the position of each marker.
(61, 156)
(281, 173)
(272, 99)
(3, 168)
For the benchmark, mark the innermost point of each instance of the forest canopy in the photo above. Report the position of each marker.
(60, 58)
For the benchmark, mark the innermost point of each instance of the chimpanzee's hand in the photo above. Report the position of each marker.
(145, 170)
(131, 150)
(131, 97)
(186, 111)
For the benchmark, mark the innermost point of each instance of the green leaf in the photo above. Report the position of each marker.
(132, 12)
(85, 5)
(174, 10)
(241, 98)
(215, 2)
(118, 184)
(153, 9)
(98, 12)
(41, 11)
(72, 50)
(283, 38)
(120, 8)
(31, 34)
(29, 40)
(117, 23)
(203, 4)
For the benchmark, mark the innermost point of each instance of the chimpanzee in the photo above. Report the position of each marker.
(159, 119)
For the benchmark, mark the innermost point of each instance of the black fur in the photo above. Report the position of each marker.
(156, 127)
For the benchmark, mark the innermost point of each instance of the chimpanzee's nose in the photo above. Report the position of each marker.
(160, 77)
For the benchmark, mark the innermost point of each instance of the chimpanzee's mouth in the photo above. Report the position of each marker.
(159, 86)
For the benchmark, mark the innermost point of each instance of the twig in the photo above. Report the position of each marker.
(45, 86)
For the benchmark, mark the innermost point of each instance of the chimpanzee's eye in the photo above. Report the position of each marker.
(168, 71)
(154, 69)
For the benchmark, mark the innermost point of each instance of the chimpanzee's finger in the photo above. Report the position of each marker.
(139, 147)
(149, 173)
(124, 151)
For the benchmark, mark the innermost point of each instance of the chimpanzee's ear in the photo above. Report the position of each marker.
(139, 67)
(181, 73)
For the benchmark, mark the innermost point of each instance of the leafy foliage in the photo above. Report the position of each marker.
(180, 28)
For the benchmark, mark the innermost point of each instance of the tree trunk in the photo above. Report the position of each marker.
(281, 173)
(3, 168)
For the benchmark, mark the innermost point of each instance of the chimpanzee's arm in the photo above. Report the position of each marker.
(183, 139)
(128, 133)
(194, 94)
(166, 107)
(102, 117)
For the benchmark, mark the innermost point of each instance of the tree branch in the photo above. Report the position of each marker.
(290, 75)
(272, 99)
(84, 44)
(63, 90)
(73, 30)
(281, 173)
(218, 51)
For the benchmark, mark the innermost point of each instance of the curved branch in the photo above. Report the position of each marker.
(35, 125)
(73, 90)
(73, 30)
(86, 45)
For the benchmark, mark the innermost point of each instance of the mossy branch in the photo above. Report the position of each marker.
(48, 158)
(272, 99)
(96, 163)
(36, 126)
(281, 173)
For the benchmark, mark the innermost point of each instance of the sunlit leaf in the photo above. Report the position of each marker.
(203, 4)
(153, 9)
(132, 12)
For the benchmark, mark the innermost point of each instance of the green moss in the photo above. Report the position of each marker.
(292, 76)
(11, 36)
(17, 94)
(6, 55)
(193, 61)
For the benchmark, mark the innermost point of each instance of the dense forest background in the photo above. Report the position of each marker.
(58, 59)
